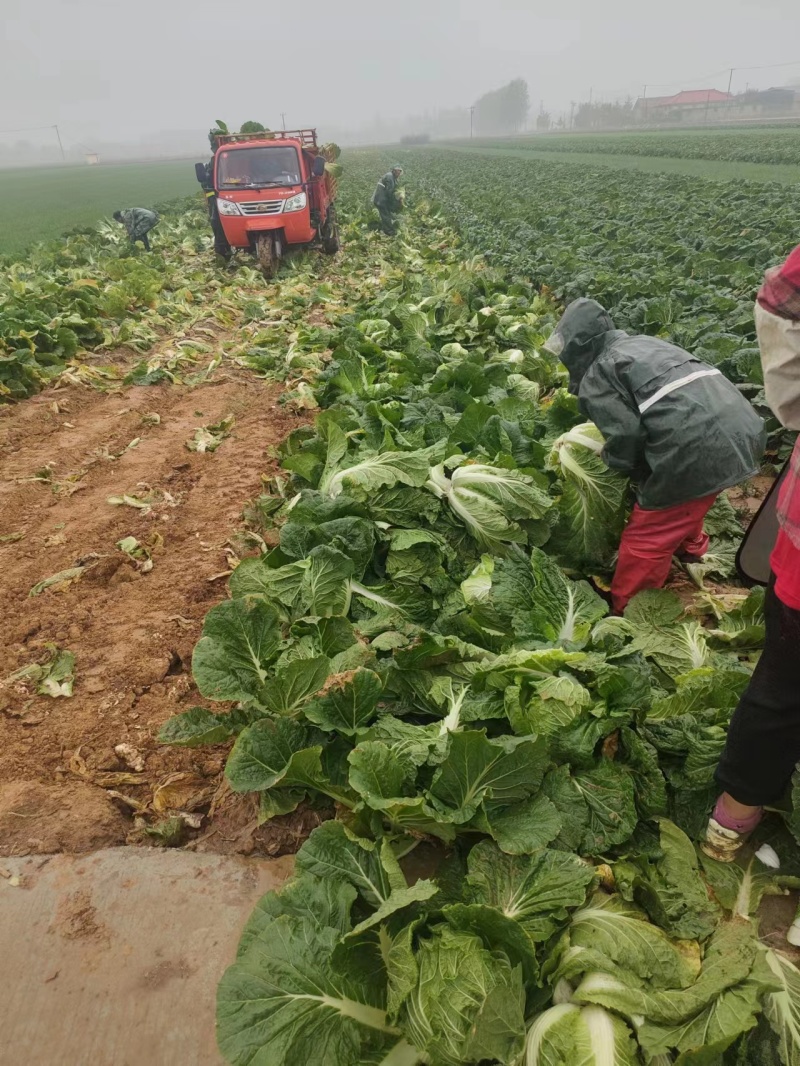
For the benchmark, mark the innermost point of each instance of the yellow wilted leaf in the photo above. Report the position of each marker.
(182, 792)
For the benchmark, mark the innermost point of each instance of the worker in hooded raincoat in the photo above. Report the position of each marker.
(673, 424)
(138, 221)
(386, 200)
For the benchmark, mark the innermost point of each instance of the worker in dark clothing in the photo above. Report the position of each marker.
(386, 199)
(763, 744)
(138, 221)
(221, 244)
(673, 424)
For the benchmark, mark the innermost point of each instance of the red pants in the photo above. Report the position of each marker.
(649, 541)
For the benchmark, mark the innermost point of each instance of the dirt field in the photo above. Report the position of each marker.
(62, 785)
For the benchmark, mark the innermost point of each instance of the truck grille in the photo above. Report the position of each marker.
(261, 207)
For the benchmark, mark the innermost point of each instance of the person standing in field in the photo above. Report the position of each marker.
(138, 221)
(673, 424)
(763, 744)
(387, 201)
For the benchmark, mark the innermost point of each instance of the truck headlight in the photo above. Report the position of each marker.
(295, 203)
(227, 207)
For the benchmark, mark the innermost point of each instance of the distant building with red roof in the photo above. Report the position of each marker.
(682, 103)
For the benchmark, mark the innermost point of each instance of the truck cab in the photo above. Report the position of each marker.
(272, 193)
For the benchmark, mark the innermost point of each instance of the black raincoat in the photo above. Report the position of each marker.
(674, 424)
(384, 195)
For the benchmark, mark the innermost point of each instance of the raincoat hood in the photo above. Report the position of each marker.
(579, 337)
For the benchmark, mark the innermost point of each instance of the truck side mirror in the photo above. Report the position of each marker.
(318, 166)
(201, 172)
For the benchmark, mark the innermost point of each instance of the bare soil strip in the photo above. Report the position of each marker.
(132, 632)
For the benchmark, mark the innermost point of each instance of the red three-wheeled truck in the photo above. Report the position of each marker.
(271, 191)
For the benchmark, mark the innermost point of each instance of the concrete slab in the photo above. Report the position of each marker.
(112, 959)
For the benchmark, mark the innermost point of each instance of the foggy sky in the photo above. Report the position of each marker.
(111, 71)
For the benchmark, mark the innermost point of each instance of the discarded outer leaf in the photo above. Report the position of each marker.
(182, 792)
(60, 578)
(138, 552)
(151, 419)
(134, 805)
(59, 674)
(129, 501)
(209, 438)
(168, 833)
(105, 779)
(221, 574)
(7, 538)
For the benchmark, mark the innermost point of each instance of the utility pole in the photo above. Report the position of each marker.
(283, 121)
(471, 123)
(60, 145)
(730, 82)
(571, 112)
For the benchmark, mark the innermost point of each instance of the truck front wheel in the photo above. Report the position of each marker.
(268, 253)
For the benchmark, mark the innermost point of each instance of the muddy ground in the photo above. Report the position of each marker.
(62, 785)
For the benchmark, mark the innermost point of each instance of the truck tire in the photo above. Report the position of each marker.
(268, 254)
(330, 233)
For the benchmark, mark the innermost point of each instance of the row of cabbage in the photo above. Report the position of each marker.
(669, 255)
(780, 145)
(421, 655)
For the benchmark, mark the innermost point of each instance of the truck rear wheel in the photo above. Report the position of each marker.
(330, 233)
(268, 253)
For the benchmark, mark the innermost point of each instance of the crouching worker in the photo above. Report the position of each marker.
(673, 424)
(138, 221)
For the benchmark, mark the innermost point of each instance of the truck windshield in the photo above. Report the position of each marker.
(255, 167)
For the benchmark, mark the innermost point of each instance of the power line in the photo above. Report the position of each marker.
(772, 66)
(627, 89)
(29, 129)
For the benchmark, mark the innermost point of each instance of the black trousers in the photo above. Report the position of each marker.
(221, 245)
(763, 745)
(387, 222)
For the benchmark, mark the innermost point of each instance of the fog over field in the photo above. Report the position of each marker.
(155, 76)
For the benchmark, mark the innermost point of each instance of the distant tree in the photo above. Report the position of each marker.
(503, 110)
(604, 116)
(544, 120)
